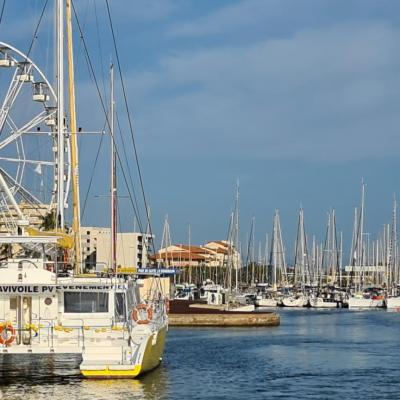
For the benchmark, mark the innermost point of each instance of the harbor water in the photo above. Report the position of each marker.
(332, 354)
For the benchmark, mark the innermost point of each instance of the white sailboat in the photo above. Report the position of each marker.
(45, 307)
(321, 302)
(392, 300)
(295, 300)
(276, 267)
(393, 303)
(323, 297)
(361, 299)
(301, 268)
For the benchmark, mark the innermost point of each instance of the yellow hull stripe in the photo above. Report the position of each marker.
(114, 373)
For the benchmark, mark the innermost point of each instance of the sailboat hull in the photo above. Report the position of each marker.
(266, 303)
(293, 302)
(360, 303)
(320, 303)
(393, 303)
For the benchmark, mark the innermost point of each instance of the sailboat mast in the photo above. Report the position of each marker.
(394, 234)
(361, 236)
(60, 112)
(237, 239)
(113, 185)
(275, 250)
(253, 249)
(190, 253)
(76, 223)
(340, 259)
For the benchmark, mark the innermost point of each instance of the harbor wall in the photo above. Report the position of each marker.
(225, 320)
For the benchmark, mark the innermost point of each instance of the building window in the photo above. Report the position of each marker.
(87, 232)
(85, 302)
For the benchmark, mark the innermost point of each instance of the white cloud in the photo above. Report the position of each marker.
(127, 11)
(324, 94)
(226, 19)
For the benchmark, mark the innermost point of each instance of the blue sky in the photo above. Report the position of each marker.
(297, 99)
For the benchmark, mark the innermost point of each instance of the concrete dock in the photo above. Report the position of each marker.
(225, 319)
(191, 314)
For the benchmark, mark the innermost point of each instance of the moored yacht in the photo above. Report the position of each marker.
(265, 296)
(393, 303)
(101, 317)
(321, 302)
(295, 300)
(367, 299)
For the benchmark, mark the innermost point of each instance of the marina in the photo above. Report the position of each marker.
(309, 353)
(199, 200)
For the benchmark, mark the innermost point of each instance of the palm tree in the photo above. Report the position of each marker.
(49, 221)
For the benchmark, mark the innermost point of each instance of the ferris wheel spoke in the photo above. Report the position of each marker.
(12, 183)
(37, 162)
(12, 93)
(27, 127)
(11, 124)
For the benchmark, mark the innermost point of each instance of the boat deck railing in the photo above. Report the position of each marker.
(47, 334)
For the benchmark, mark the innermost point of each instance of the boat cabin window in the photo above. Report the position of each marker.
(120, 306)
(85, 302)
(13, 303)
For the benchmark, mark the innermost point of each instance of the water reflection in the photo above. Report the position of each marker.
(312, 355)
(43, 377)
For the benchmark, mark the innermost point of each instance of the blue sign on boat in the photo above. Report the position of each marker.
(158, 271)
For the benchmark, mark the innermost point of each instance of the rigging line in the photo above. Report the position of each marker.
(248, 245)
(100, 51)
(129, 120)
(134, 200)
(226, 256)
(37, 28)
(126, 160)
(91, 69)
(92, 175)
(2, 11)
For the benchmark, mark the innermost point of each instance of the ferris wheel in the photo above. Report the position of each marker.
(28, 136)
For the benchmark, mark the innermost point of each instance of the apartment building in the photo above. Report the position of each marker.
(132, 248)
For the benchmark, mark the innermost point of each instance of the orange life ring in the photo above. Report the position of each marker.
(4, 339)
(135, 314)
(167, 305)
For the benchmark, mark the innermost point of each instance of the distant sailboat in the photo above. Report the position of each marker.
(276, 266)
(301, 268)
(393, 299)
(361, 298)
(325, 297)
